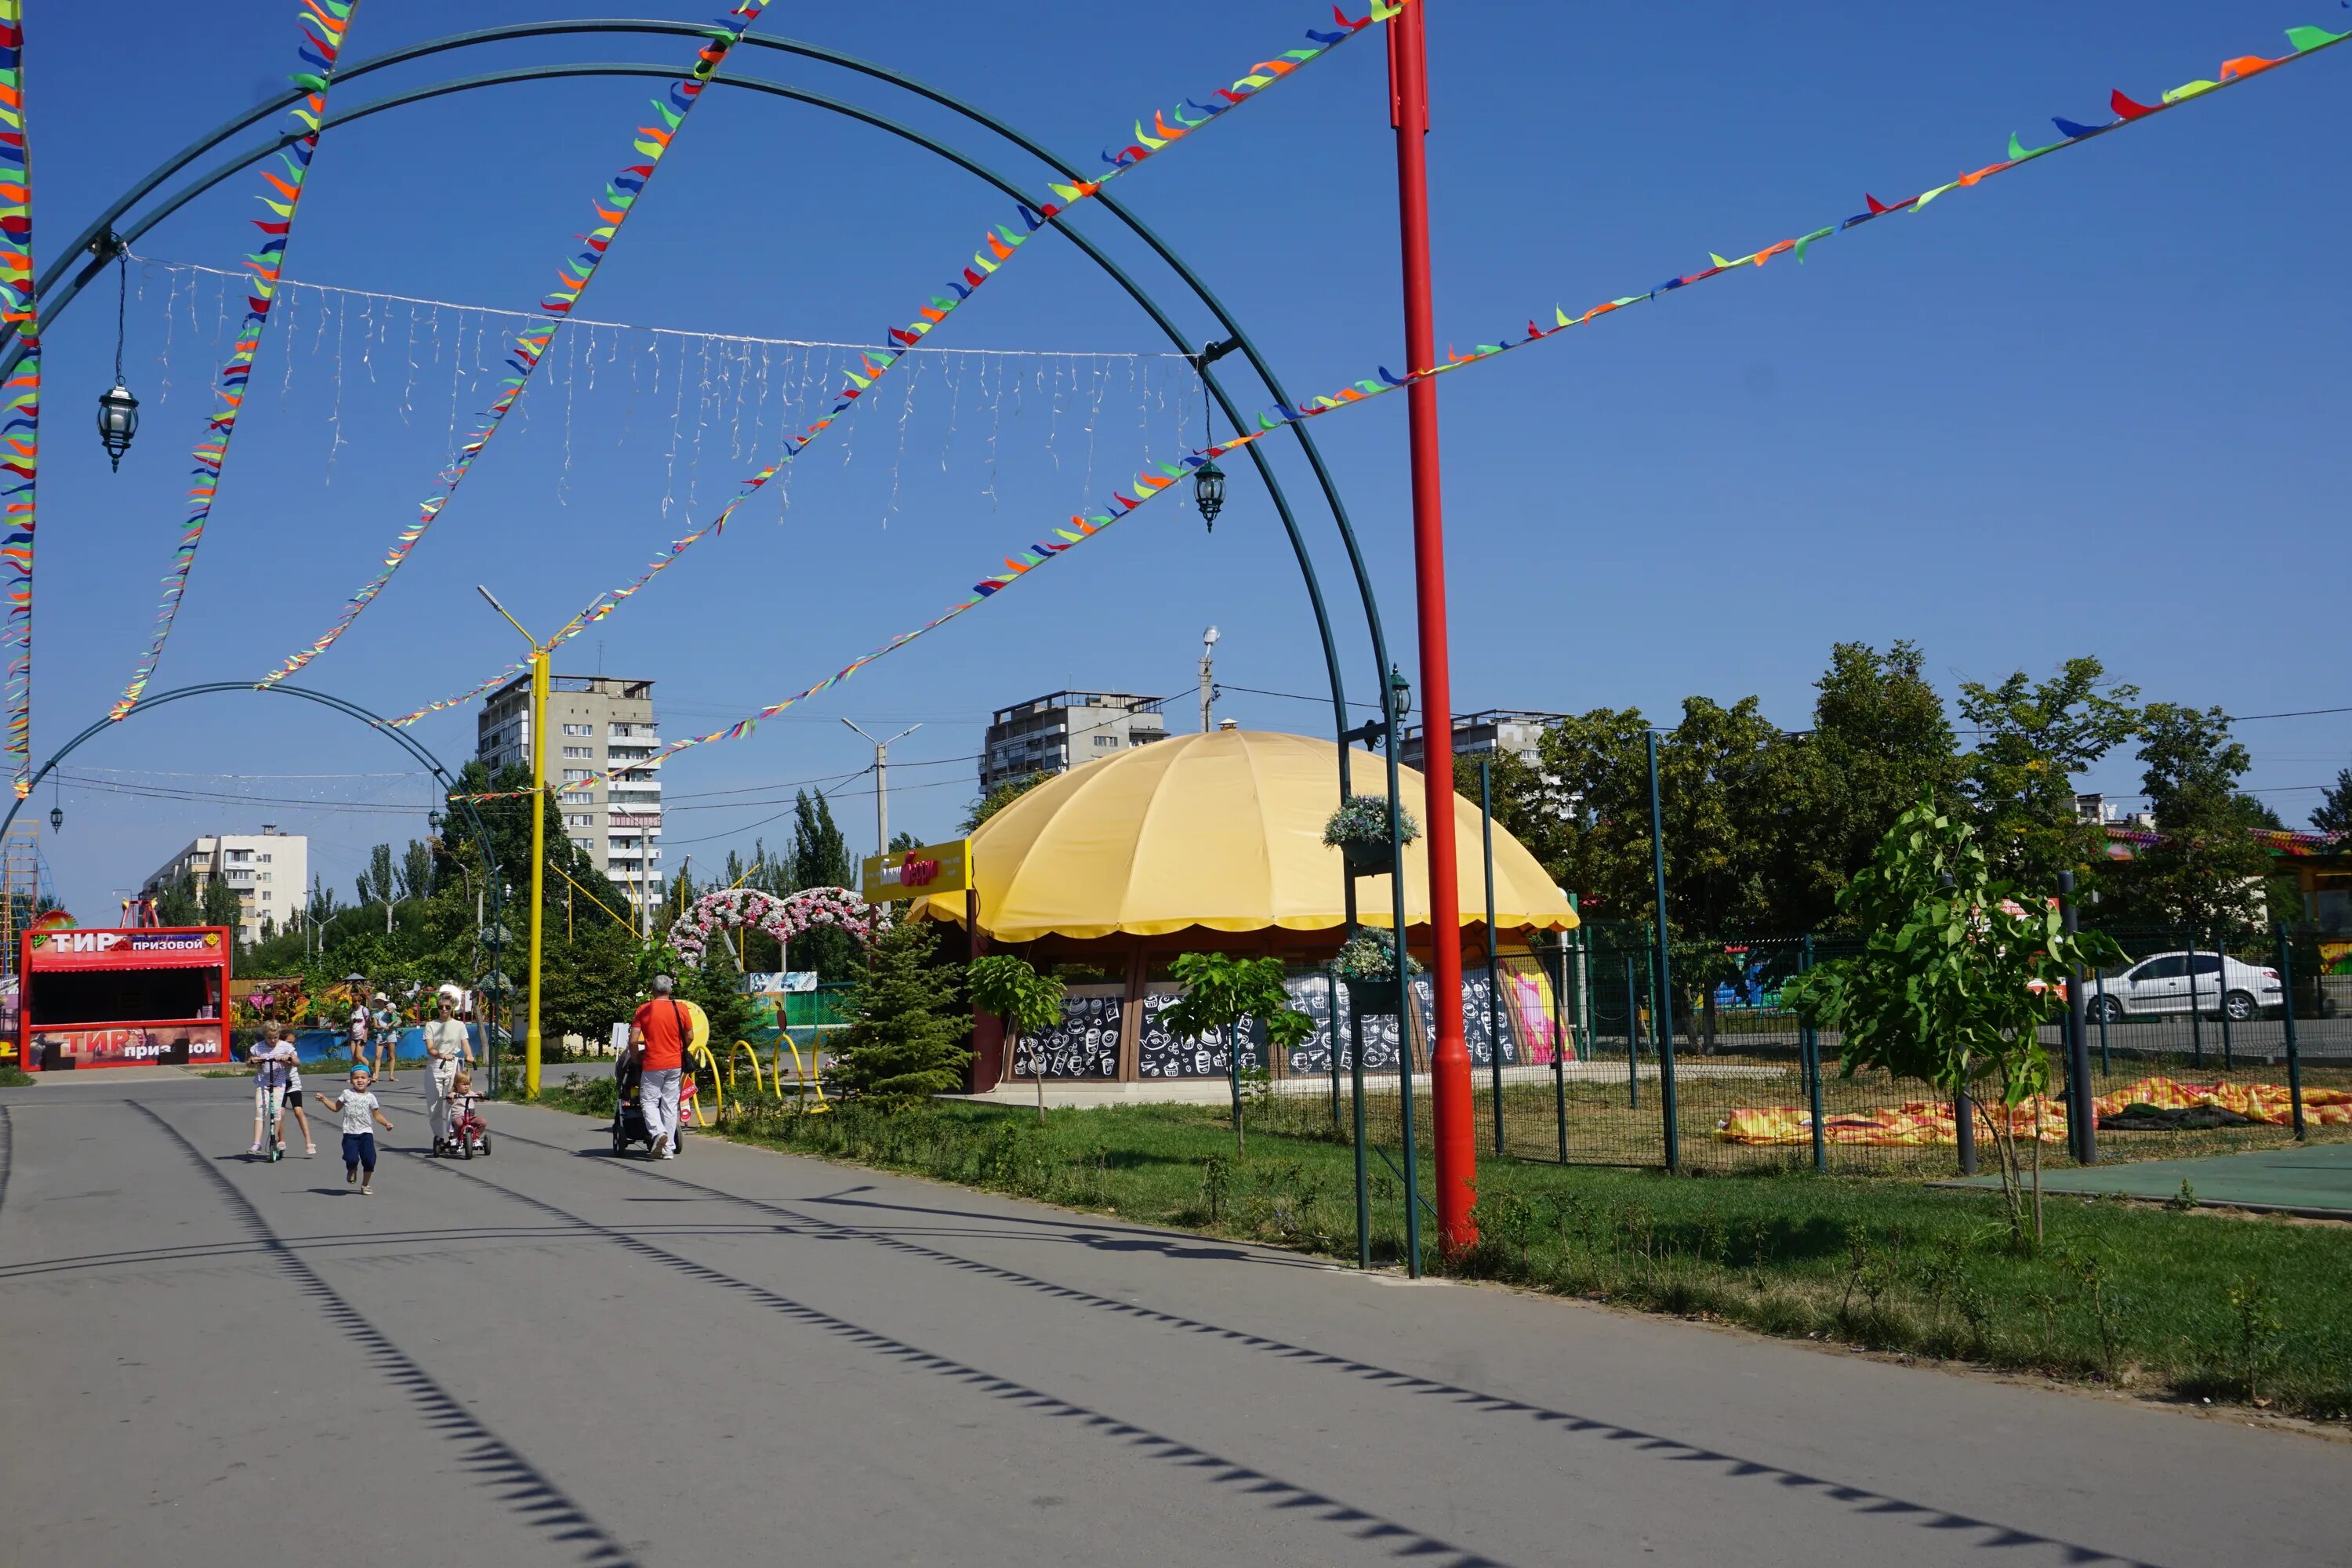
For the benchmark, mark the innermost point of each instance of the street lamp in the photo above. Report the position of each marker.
(539, 749)
(117, 411)
(1208, 480)
(1209, 491)
(882, 783)
(57, 818)
(117, 421)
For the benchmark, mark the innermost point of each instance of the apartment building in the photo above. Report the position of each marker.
(596, 722)
(1054, 733)
(269, 871)
(1512, 731)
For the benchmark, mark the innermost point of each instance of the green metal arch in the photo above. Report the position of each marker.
(93, 237)
(406, 742)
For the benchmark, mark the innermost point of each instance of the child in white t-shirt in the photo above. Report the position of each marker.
(362, 1115)
(272, 1061)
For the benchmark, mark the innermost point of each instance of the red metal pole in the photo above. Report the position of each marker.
(1449, 1064)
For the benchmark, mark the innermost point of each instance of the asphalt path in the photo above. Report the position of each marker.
(556, 1356)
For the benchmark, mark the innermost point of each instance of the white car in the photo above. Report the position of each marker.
(2162, 984)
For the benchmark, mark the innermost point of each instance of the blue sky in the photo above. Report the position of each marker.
(2094, 406)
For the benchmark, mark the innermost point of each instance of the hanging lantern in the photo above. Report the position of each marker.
(117, 411)
(57, 818)
(1209, 492)
(117, 421)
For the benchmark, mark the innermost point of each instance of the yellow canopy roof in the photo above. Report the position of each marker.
(1223, 831)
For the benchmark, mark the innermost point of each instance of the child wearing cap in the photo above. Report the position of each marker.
(363, 1114)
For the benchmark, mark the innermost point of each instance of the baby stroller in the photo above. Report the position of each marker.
(629, 1112)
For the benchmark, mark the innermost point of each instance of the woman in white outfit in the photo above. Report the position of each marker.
(447, 1048)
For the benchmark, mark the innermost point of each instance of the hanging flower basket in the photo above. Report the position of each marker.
(1360, 831)
(1366, 965)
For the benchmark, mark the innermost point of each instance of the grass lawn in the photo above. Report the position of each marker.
(2186, 1304)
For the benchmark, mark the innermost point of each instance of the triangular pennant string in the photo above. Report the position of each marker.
(1151, 486)
(324, 24)
(532, 344)
(1003, 242)
(21, 425)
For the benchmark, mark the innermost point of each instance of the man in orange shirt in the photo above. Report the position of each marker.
(658, 1036)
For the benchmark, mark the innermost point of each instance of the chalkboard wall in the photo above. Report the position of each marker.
(1086, 1042)
(1163, 1055)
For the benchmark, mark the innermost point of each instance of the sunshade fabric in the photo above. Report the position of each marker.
(1224, 832)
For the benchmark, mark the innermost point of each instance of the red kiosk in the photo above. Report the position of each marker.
(122, 998)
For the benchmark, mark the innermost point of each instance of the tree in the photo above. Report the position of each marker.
(820, 853)
(413, 875)
(590, 980)
(820, 859)
(221, 907)
(1000, 797)
(718, 985)
(902, 841)
(1954, 982)
(1880, 737)
(374, 884)
(1595, 762)
(2334, 813)
(2206, 867)
(178, 905)
(1031, 1003)
(905, 1040)
(1219, 995)
(2033, 739)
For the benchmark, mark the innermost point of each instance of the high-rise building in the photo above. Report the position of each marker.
(597, 722)
(1054, 733)
(269, 871)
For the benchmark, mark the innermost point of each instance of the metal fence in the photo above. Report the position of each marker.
(1738, 1082)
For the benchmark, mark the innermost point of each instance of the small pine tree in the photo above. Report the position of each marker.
(905, 1040)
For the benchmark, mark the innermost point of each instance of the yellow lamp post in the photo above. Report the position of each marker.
(538, 749)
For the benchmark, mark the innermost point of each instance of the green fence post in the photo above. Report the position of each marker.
(1632, 1040)
(1665, 974)
(2106, 1068)
(2222, 993)
(2293, 1054)
(2196, 1018)
(1810, 1046)
(1560, 1045)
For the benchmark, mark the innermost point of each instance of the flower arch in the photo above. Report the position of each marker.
(784, 918)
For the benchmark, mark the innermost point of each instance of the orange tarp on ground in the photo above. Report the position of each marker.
(1917, 1123)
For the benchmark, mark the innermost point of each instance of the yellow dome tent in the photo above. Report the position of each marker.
(1221, 832)
(1206, 841)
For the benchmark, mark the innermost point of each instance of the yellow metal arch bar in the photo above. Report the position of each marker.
(739, 1050)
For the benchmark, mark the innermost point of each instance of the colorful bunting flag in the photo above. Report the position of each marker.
(324, 22)
(532, 344)
(2308, 40)
(1003, 242)
(21, 431)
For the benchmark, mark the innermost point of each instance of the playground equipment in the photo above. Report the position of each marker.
(768, 1082)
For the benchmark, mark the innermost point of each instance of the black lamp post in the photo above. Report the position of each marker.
(117, 411)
